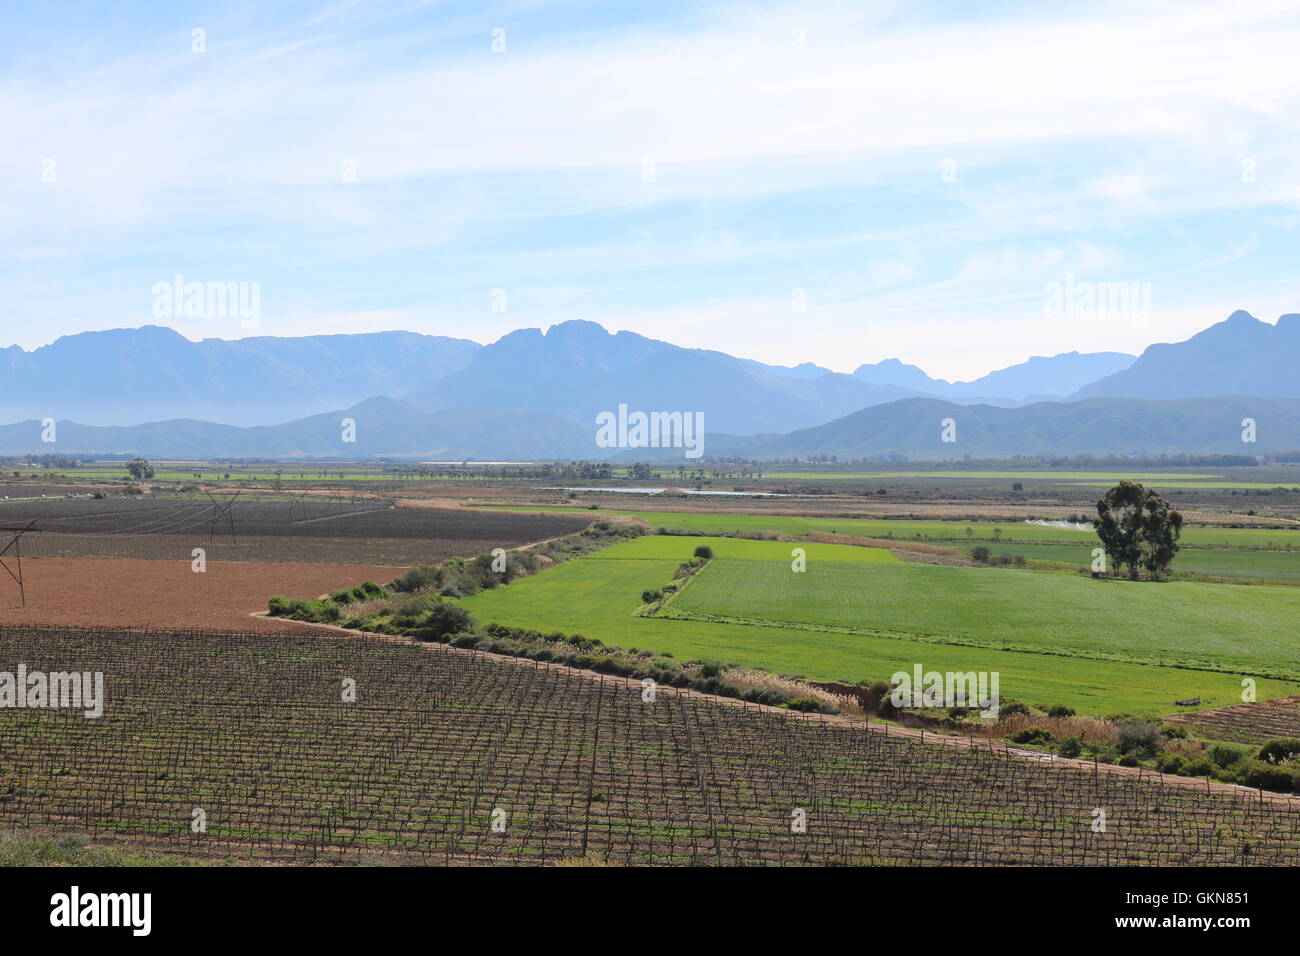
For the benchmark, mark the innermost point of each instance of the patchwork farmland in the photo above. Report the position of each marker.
(764, 652)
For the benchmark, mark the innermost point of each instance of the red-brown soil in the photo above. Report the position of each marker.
(128, 592)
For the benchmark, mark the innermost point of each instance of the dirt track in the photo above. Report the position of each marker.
(128, 592)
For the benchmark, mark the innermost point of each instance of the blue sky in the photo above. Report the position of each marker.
(917, 174)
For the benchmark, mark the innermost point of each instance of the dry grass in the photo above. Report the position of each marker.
(1091, 730)
(762, 680)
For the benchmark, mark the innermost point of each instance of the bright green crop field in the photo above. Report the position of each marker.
(939, 532)
(1183, 623)
(1219, 562)
(679, 548)
(868, 618)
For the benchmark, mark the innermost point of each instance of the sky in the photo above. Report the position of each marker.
(837, 183)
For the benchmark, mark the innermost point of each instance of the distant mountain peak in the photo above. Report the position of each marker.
(1241, 355)
(575, 328)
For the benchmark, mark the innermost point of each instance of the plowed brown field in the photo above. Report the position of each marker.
(128, 592)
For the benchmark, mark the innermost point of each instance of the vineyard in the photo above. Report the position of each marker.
(1248, 723)
(448, 756)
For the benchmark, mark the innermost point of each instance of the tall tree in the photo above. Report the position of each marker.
(140, 469)
(1161, 527)
(1138, 529)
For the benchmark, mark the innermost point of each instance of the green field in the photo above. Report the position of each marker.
(949, 533)
(660, 547)
(1178, 623)
(598, 597)
(1218, 562)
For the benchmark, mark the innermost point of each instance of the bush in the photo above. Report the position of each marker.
(1034, 735)
(1224, 756)
(1141, 737)
(807, 705)
(1060, 710)
(710, 669)
(878, 696)
(416, 579)
(650, 595)
(704, 551)
(1279, 750)
(445, 618)
(1170, 763)
(981, 554)
(1012, 707)
(1266, 776)
(1070, 747)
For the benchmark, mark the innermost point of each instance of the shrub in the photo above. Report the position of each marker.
(1170, 763)
(805, 704)
(878, 696)
(445, 618)
(981, 554)
(704, 551)
(710, 669)
(1034, 735)
(1266, 776)
(1060, 710)
(1139, 736)
(650, 595)
(1011, 707)
(1070, 747)
(1279, 750)
(1224, 756)
(416, 579)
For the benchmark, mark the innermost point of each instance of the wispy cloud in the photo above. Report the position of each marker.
(908, 170)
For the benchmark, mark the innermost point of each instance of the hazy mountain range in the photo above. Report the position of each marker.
(128, 376)
(535, 395)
